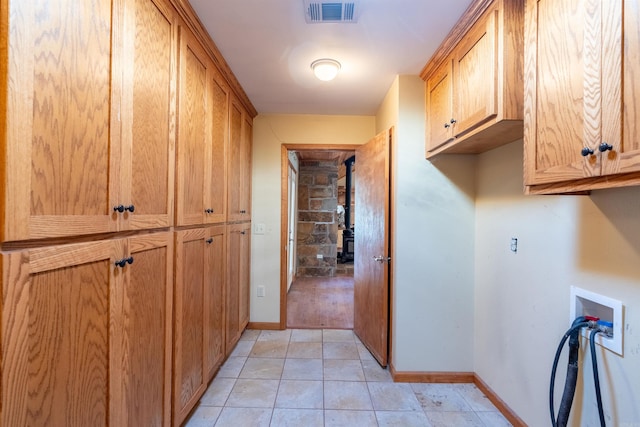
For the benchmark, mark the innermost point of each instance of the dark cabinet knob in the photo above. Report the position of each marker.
(122, 208)
(124, 261)
(243, 232)
(243, 211)
(605, 147)
(586, 151)
(209, 211)
(453, 121)
(447, 125)
(209, 240)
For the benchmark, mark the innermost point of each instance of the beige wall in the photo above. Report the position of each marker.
(432, 242)
(269, 133)
(522, 299)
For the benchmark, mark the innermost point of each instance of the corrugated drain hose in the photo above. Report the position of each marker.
(572, 373)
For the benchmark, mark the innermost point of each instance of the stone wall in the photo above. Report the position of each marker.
(317, 218)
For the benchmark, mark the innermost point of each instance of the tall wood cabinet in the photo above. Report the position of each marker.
(84, 333)
(580, 95)
(114, 150)
(241, 130)
(238, 286)
(474, 91)
(199, 314)
(90, 118)
(202, 136)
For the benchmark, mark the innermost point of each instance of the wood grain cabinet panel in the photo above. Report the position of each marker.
(83, 339)
(61, 79)
(580, 95)
(87, 88)
(239, 167)
(199, 314)
(238, 282)
(202, 136)
(475, 93)
(218, 110)
(440, 106)
(148, 114)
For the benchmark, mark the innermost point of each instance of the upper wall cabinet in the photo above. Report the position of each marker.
(85, 90)
(581, 114)
(241, 129)
(474, 86)
(202, 136)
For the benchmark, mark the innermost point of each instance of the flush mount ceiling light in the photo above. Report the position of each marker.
(325, 69)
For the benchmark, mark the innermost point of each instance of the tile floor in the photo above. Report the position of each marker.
(307, 378)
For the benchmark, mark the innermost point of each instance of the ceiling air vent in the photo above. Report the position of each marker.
(318, 12)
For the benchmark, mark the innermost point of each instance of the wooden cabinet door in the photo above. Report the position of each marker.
(240, 146)
(216, 193)
(475, 70)
(235, 168)
(244, 276)
(237, 296)
(621, 84)
(57, 306)
(214, 303)
(440, 106)
(189, 383)
(562, 91)
(146, 325)
(245, 155)
(60, 121)
(148, 114)
(192, 154)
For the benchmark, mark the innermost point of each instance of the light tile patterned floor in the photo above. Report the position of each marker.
(307, 378)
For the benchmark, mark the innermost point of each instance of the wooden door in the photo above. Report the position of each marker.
(440, 106)
(56, 328)
(245, 273)
(214, 304)
(216, 185)
(188, 371)
(192, 131)
(371, 258)
(562, 59)
(236, 275)
(235, 181)
(476, 73)
(621, 83)
(148, 114)
(61, 119)
(146, 327)
(246, 164)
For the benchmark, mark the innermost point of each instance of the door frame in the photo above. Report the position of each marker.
(284, 210)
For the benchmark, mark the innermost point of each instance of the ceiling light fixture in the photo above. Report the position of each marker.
(325, 69)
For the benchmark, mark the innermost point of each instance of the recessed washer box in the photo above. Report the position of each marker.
(587, 303)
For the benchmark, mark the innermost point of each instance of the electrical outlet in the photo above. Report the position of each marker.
(259, 228)
(261, 291)
(320, 256)
(514, 245)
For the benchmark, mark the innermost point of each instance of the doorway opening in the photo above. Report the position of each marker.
(313, 272)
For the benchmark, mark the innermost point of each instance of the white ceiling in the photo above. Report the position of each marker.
(270, 47)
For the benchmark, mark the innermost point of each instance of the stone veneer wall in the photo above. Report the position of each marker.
(317, 218)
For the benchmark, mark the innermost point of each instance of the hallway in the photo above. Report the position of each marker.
(320, 303)
(309, 378)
